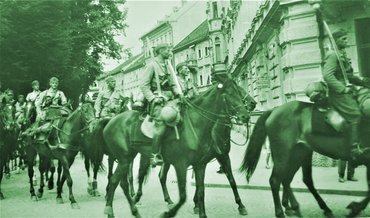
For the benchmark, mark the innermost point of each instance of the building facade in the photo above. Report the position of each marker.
(276, 48)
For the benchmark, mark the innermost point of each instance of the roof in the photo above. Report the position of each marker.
(199, 34)
(133, 63)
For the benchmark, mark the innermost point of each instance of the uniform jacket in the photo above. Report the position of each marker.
(57, 98)
(332, 73)
(108, 102)
(344, 103)
(188, 87)
(149, 83)
(32, 96)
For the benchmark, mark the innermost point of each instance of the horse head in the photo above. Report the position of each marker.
(234, 98)
(87, 112)
(29, 113)
(8, 117)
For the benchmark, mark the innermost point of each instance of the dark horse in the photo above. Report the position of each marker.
(45, 163)
(93, 149)
(220, 148)
(65, 140)
(191, 149)
(8, 137)
(292, 143)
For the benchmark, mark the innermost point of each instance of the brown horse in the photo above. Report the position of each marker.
(8, 138)
(292, 143)
(65, 141)
(191, 149)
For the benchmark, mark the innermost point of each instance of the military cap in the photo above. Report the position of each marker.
(35, 82)
(339, 33)
(159, 47)
(53, 79)
(9, 92)
(180, 65)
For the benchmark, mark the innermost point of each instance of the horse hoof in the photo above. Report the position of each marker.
(60, 200)
(108, 210)
(196, 210)
(39, 194)
(137, 215)
(329, 214)
(96, 193)
(75, 205)
(2, 196)
(90, 191)
(355, 208)
(243, 211)
(164, 215)
(50, 185)
(34, 198)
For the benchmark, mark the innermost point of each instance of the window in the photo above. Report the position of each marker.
(206, 51)
(218, 49)
(201, 80)
(215, 9)
(363, 45)
(199, 53)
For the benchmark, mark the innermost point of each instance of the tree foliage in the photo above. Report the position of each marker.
(67, 39)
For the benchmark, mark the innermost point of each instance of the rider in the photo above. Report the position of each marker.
(51, 97)
(109, 102)
(19, 109)
(340, 94)
(35, 91)
(186, 81)
(158, 87)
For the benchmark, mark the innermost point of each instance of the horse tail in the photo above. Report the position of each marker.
(253, 152)
(97, 144)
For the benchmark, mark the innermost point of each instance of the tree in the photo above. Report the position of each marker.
(67, 39)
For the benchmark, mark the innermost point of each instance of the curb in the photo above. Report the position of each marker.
(267, 188)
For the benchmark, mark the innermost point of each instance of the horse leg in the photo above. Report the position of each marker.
(357, 207)
(31, 155)
(226, 166)
(162, 178)
(125, 187)
(43, 166)
(59, 171)
(66, 164)
(113, 183)
(199, 180)
(307, 179)
(51, 178)
(288, 196)
(2, 163)
(89, 182)
(181, 181)
(143, 171)
(130, 177)
(110, 172)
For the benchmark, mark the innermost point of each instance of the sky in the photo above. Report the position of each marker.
(142, 16)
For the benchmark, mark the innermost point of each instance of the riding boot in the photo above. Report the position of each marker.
(356, 150)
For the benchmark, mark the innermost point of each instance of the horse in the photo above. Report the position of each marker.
(93, 139)
(45, 163)
(7, 137)
(190, 149)
(65, 140)
(220, 150)
(292, 142)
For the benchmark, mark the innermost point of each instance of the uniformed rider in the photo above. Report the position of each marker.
(341, 95)
(35, 91)
(186, 80)
(109, 102)
(158, 87)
